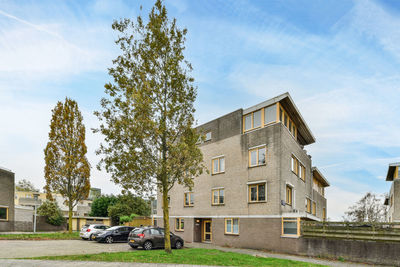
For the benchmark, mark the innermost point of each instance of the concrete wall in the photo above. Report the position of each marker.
(382, 253)
(24, 213)
(7, 187)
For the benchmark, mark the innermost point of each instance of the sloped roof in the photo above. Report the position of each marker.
(320, 177)
(391, 169)
(306, 137)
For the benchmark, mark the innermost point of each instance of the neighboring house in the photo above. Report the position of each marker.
(31, 198)
(7, 185)
(393, 200)
(261, 181)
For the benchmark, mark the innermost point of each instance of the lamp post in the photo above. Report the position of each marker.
(36, 198)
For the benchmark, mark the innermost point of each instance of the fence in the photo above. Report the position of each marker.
(140, 221)
(352, 231)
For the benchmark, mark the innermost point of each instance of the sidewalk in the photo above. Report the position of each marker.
(260, 253)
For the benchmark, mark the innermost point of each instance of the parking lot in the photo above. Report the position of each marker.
(29, 248)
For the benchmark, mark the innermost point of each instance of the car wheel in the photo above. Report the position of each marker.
(109, 239)
(178, 245)
(91, 237)
(148, 245)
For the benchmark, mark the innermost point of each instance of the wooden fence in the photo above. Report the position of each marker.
(350, 230)
(140, 221)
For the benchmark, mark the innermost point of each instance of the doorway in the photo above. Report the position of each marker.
(207, 231)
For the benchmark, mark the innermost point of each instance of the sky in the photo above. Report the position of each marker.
(339, 60)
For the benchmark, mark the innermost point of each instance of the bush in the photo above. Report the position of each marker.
(52, 212)
(124, 219)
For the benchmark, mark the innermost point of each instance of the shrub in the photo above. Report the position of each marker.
(52, 212)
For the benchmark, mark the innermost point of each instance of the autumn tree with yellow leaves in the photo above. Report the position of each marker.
(147, 120)
(67, 169)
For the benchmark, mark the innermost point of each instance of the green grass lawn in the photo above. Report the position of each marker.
(183, 256)
(41, 236)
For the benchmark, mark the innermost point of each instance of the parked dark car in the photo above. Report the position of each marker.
(152, 237)
(114, 234)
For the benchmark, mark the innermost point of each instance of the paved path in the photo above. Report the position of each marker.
(37, 248)
(260, 253)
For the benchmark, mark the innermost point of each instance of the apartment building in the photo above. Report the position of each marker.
(7, 179)
(393, 199)
(261, 181)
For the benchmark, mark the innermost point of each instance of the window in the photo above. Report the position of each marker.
(289, 195)
(260, 118)
(218, 196)
(3, 214)
(189, 199)
(179, 224)
(257, 156)
(324, 214)
(232, 226)
(287, 121)
(270, 114)
(308, 205)
(302, 172)
(208, 136)
(248, 122)
(298, 168)
(317, 186)
(257, 119)
(257, 192)
(295, 165)
(218, 165)
(291, 226)
(314, 208)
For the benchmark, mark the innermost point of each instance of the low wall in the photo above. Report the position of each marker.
(375, 252)
(41, 226)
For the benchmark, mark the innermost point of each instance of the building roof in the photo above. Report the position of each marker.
(6, 170)
(390, 173)
(306, 136)
(320, 177)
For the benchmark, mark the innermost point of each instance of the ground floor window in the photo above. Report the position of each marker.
(3, 213)
(232, 226)
(291, 226)
(179, 224)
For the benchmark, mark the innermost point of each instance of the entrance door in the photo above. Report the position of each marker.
(207, 235)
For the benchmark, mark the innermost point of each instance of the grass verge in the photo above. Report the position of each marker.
(196, 256)
(41, 236)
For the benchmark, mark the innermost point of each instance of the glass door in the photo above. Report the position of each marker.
(207, 235)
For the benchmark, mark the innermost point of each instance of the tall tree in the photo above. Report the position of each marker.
(100, 205)
(148, 119)
(67, 169)
(26, 186)
(369, 208)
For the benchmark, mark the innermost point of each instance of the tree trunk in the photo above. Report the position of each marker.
(167, 239)
(69, 219)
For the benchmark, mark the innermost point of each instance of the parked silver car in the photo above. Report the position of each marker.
(88, 230)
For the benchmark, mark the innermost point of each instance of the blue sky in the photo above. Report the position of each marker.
(339, 60)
